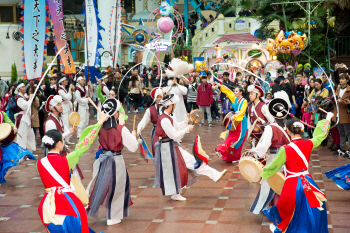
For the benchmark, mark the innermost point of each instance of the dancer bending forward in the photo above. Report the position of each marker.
(301, 207)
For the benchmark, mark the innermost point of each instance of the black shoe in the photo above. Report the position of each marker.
(347, 155)
(339, 152)
(335, 147)
(331, 146)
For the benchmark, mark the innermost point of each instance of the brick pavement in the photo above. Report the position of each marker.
(210, 207)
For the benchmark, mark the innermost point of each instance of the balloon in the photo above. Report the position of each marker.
(271, 47)
(279, 36)
(286, 46)
(298, 41)
(299, 67)
(165, 25)
(307, 66)
(296, 52)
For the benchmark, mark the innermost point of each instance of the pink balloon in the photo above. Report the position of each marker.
(165, 25)
(296, 52)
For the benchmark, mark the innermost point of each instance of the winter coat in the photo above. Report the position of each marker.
(204, 95)
(343, 107)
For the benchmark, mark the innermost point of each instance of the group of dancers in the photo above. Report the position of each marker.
(299, 208)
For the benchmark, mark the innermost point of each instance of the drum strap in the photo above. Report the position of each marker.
(47, 165)
(302, 156)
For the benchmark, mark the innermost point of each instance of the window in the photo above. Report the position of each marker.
(212, 29)
(230, 25)
(206, 34)
(9, 14)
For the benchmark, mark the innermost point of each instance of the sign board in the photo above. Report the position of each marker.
(161, 45)
(106, 60)
(255, 53)
(200, 59)
(318, 72)
(241, 25)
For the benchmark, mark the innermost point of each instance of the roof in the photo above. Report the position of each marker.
(238, 38)
(143, 15)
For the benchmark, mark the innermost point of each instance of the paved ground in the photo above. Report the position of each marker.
(210, 207)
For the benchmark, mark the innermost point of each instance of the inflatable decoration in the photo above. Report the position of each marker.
(201, 66)
(165, 25)
(289, 42)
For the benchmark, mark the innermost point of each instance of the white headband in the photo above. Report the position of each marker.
(104, 77)
(80, 78)
(252, 88)
(62, 79)
(18, 87)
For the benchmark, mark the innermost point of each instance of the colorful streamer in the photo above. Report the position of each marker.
(92, 38)
(115, 30)
(34, 37)
(144, 151)
(56, 13)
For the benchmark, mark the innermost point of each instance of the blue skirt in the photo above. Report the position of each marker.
(11, 155)
(340, 176)
(305, 219)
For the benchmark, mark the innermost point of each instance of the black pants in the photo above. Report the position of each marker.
(41, 123)
(135, 100)
(191, 105)
(214, 110)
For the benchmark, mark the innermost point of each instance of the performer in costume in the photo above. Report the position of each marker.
(23, 120)
(12, 154)
(274, 137)
(152, 113)
(230, 149)
(257, 110)
(168, 132)
(60, 209)
(81, 95)
(179, 68)
(301, 207)
(104, 91)
(112, 183)
(54, 107)
(67, 100)
(170, 168)
(111, 94)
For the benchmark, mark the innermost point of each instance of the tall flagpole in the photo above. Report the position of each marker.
(86, 42)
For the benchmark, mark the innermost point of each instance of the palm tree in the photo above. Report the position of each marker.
(340, 9)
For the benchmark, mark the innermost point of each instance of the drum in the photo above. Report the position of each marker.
(74, 119)
(276, 182)
(250, 167)
(227, 121)
(196, 116)
(7, 134)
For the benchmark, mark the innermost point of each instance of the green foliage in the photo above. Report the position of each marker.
(47, 78)
(14, 75)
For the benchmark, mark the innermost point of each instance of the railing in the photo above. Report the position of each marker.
(338, 47)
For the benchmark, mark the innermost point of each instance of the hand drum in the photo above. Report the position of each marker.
(74, 119)
(196, 116)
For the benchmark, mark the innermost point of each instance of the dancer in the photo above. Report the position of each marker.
(301, 206)
(152, 114)
(23, 120)
(104, 91)
(273, 138)
(112, 183)
(111, 94)
(54, 107)
(168, 132)
(81, 95)
(60, 209)
(179, 68)
(230, 149)
(257, 110)
(12, 154)
(66, 100)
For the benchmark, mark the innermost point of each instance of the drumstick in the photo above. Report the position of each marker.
(133, 128)
(321, 109)
(93, 104)
(19, 134)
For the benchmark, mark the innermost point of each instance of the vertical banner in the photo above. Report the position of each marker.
(56, 12)
(34, 37)
(90, 33)
(115, 30)
(92, 39)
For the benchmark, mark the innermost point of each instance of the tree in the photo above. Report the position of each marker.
(284, 14)
(14, 75)
(340, 9)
